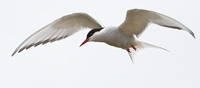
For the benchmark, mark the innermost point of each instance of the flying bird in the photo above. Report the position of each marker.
(124, 36)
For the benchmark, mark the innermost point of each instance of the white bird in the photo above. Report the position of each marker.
(124, 36)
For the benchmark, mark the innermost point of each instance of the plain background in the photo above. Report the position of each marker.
(64, 64)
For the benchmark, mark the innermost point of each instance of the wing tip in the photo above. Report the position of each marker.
(188, 30)
(192, 34)
(13, 53)
(185, 29)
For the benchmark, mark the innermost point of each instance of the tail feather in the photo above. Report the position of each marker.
(131, 54)
(142, 45)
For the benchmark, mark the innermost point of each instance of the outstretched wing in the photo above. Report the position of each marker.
(137, 20)
(59, 29)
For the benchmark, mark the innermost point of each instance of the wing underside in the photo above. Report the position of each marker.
(59, 29)
(137, 20)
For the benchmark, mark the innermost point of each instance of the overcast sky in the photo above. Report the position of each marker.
(63, 64)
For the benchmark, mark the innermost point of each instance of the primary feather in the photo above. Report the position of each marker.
(59, 29)
(137, 20)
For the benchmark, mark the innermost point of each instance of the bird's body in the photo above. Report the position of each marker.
(114, 37)
(123, 36)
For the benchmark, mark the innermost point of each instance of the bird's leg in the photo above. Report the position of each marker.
(128, 50)
(134, 47)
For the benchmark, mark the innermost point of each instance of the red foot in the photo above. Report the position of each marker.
(134, 47)
(128, 50)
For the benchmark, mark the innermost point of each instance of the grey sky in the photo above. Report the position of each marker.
(64, 64)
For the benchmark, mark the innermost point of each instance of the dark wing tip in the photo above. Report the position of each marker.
(13, 54)
(192, 34)
(180, 29)
(188, 30)
(37, 44)
(172, 27)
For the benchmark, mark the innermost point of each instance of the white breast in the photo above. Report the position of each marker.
(114, 37)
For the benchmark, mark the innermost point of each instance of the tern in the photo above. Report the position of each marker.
(124, 36)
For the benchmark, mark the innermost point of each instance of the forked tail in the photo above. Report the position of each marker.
(139, 46)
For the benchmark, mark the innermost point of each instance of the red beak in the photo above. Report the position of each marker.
(85, 42)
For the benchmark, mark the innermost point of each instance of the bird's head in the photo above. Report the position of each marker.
(91, 33)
